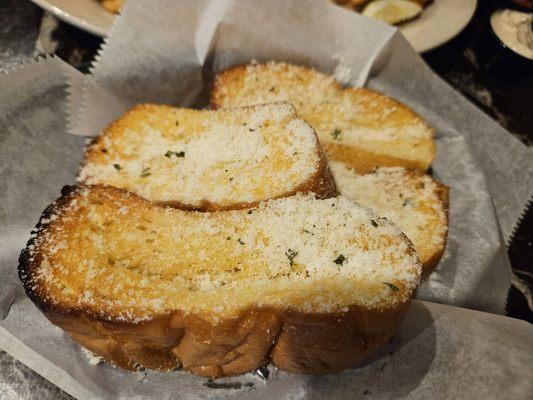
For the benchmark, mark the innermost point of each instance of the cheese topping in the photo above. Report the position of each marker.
(298, 252)
(408, 199)
(189, 156)
(361, 117)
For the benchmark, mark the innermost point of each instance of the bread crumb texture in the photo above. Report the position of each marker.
(350, 122)
(411, 200)
(114, 255)
(191, 157)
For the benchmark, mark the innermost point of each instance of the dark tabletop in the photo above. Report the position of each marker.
(471, 63)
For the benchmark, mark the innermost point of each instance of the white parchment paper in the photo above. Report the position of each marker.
(440, 351)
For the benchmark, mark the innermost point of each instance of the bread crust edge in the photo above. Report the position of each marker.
(443, 192)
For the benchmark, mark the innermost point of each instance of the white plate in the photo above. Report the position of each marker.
(439, 22)
(88, 15)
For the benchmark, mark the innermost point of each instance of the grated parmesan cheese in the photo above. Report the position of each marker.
(189, 156)
(298, 252)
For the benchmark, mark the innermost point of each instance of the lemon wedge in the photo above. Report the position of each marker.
(392, 11)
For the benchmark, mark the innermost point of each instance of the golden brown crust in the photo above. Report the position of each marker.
(364, 161)
(330, 343)
(429, 265)
(321, 182)
(294, 341)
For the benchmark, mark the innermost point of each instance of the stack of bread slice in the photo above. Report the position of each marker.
(216, 240)
(362, 133)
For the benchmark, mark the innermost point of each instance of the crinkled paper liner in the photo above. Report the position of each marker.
(454, 353)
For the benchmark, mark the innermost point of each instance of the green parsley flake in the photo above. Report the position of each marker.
(340, 260)
(291, 254)
(146, 172)
(394, 288)
(407, 202)
(117, 167)
(336, 132)
(374, 223)
(171, 153)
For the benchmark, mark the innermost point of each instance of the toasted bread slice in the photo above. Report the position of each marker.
(414, 201)
(357, 126)
(313, 285)
(209, 160)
